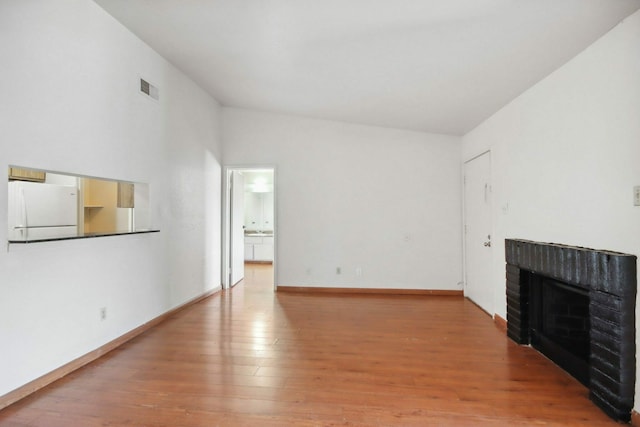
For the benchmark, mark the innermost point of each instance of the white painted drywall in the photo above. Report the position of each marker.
(69, 101)
(566, 154)
(383, 200)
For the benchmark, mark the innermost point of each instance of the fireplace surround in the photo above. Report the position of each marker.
(608, 279)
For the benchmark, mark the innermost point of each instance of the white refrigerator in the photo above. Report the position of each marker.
(42, 211)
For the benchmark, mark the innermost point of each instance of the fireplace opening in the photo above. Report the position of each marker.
(559, 326)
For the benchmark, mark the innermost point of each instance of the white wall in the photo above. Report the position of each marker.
(384, 200)
(69, 102)
(566, 154)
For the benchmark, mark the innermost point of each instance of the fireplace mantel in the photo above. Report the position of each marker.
(610, 279)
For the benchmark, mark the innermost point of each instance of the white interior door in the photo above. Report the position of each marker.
(477, 214)
(236, 244)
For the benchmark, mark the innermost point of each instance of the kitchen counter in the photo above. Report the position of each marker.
(84, 236)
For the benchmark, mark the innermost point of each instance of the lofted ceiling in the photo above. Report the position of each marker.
(439, 66)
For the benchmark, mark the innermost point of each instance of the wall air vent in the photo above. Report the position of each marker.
(149, 89)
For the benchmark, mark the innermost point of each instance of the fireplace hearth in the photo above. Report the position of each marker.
(577, 306)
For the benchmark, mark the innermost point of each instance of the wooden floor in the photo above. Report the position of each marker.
(251, 357)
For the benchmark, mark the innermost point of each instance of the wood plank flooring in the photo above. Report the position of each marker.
(250, 357)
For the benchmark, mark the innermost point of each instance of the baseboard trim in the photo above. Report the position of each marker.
(500, 322)
(56, 374)
(369, 291)
(635, 419)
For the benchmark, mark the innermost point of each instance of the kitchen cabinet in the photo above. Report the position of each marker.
(100, 213)
(267, 211)
(248, 252)
(125, 195)
(258, 211)
(258, 248)
(252, 213)
(263, 251)
(26, 174)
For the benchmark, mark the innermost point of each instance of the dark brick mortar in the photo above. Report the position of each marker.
(610, 278)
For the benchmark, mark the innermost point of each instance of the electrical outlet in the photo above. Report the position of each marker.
(636, 195)
(358, 271)
(338, 270)
(103, 313)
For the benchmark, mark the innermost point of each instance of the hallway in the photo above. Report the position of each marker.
(252, 357)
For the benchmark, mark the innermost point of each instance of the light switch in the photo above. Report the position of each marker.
(636, 195)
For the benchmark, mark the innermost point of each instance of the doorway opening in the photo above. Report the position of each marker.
(249, 222)
(478, 255)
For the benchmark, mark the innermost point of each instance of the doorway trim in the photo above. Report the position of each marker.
(226, 219)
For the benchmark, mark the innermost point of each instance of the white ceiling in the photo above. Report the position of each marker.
(440, 66)
(253, 176)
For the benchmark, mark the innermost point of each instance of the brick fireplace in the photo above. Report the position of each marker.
(604, 283)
